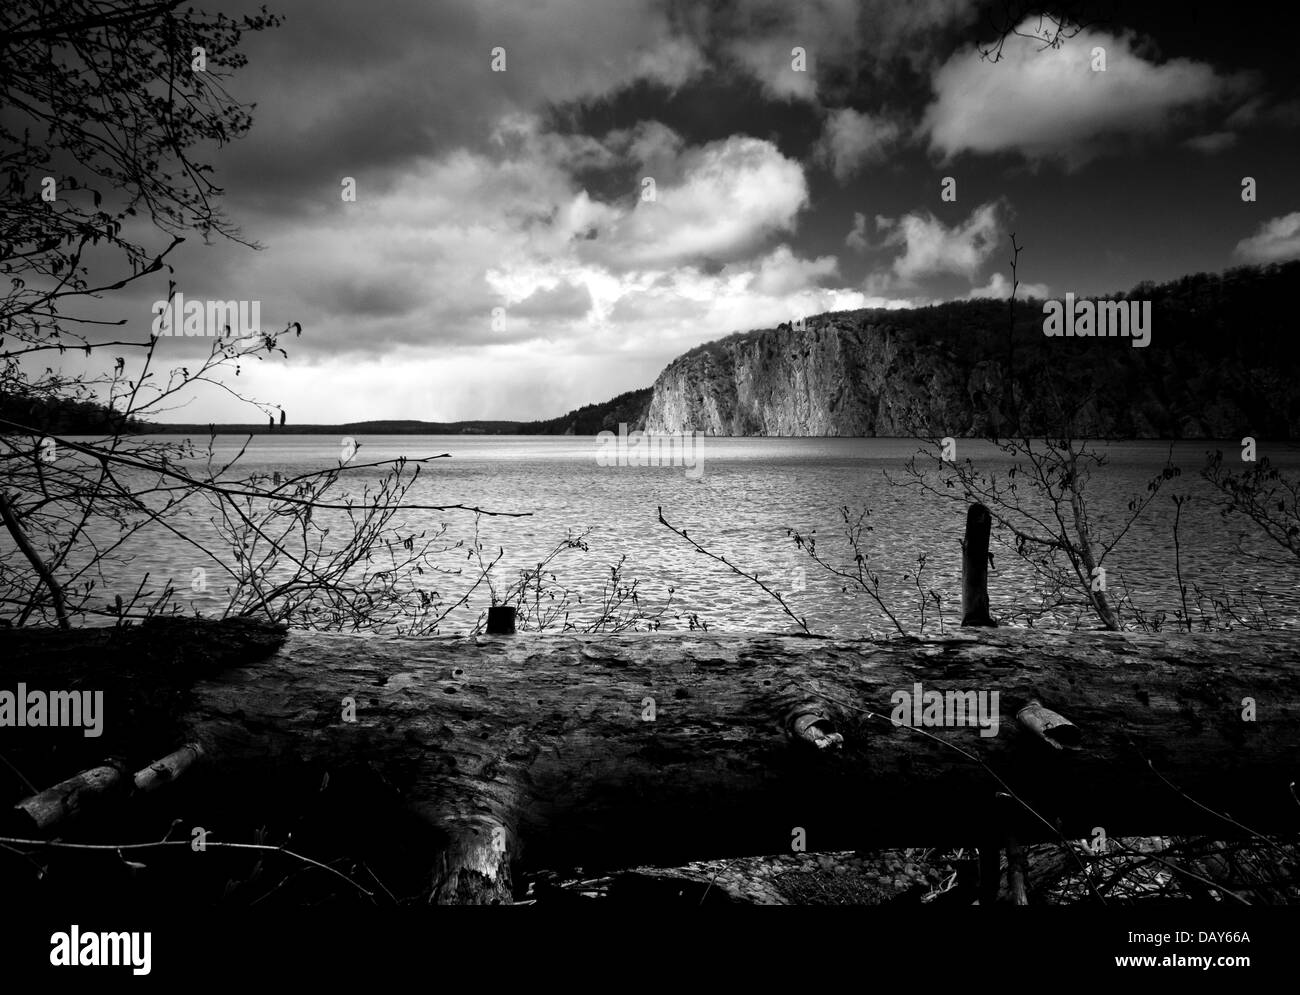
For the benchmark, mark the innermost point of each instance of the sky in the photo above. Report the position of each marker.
(504, 258)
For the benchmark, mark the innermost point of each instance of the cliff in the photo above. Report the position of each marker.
(1222, 362)
(844, 375)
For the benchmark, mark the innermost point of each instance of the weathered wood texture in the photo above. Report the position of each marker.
(975, 568)
(538, 748)
(66, 800)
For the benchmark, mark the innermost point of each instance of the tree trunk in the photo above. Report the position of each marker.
(611, 751)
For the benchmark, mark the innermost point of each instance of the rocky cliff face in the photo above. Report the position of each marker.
(1222, 362)
(839, 377)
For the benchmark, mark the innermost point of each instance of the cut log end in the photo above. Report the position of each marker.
(809, 724)
(1055, 730)
(474, 867)
(168, 769)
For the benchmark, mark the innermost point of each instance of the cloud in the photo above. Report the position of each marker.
(910, 31)
(999, 288)
(852, 140)
(1216, 141)
(730, 196)
(650, 144)
(772, 62)
(931, 247)
(1276, 240)
(842, 39)
(1049, 104)
(761, 35)
(1259, 112)
(781, 272)
(604, 291)
(426, 261)
(680, 308)
(856, 239)
(375, 295)
(672, 61)
(564, 300)
(342, 93)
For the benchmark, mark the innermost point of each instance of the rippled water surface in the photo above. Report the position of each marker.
(749, 493)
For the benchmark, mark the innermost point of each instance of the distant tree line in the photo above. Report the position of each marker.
(64, 416)
(628, 408)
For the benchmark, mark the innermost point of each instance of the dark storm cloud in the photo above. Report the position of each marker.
(346, 90)
(566, 300)
(362, 90)
(353, 297)
(499, 220)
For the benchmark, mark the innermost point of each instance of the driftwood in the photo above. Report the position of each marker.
(66, 800)
(611, 751)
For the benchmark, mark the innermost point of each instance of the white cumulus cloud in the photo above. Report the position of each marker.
(731, 195)
(930, 247)
(782, 272)
(1049, 103)
(1276, 240)
(999, 288)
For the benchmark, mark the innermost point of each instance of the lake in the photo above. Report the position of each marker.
(749, 493)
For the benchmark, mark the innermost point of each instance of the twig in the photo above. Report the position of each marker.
(114, 848)
(735, 569)
(1218, 815)
(1184, 871)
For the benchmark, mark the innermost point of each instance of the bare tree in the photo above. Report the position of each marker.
(105, 109)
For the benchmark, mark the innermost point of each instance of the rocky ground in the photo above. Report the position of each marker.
(844, 878)
(1124, 870)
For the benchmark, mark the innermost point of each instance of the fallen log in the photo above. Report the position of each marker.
(66, 800)
(611, 751)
